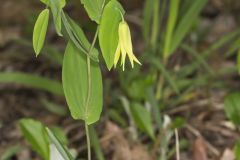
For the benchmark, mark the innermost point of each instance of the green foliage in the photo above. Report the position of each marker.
(10, 152)
(137, 88)
(172, 19)
(147, 19)
(82, 80)
(40, 30)
(142, 118)
(186, 22)
(78, 38)
(94, 9)
(60, 135)
(108, 31)
(37, 136)
(83, 39)
(95, 143)
(62, 150)
(232, 107)
(75, 84)
(166, 74)
(56, 8)
(37, 82)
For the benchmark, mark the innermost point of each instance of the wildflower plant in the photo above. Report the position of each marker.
(81, 74)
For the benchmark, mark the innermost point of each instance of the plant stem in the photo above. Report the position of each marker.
(89, 68)
(89, 90)
(88, 141)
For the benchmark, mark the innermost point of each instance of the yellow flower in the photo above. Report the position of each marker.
(124, 46)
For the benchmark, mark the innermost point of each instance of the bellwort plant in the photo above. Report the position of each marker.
(81, 74)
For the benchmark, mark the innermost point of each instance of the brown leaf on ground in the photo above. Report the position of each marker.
(199, 150)
(228, 154)
(114, 140)
(139, 153)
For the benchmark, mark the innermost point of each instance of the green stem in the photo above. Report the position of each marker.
(89, 68)
(88, 141)
(89, 90)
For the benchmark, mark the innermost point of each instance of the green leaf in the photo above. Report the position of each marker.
(108, 31)
(38, 82)
(56, 8)
(36, 135)
(147, 19)
(94, 9)
(186, 23)
(75, 85)
(59, 133)
(40, 30)
(232, 107)
(82, 38)
(142, 118)
(62, 150)
(78, 38)
(173, 12)
(55, 154)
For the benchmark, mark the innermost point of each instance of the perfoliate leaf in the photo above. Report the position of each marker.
(94, 9)
(108, 32)
(56, 8)
(39, 32)
(37, 136)
(142, 118)
(232, 107)
(75, 85)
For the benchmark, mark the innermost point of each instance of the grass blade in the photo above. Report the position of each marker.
(187, 21)
(172, 19)
(166, 74)
(37, 82)
(198, 58)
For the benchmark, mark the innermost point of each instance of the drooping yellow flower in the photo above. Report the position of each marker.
(124, 46)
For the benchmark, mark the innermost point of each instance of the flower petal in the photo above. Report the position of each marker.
(117, 55)
(123, 56)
